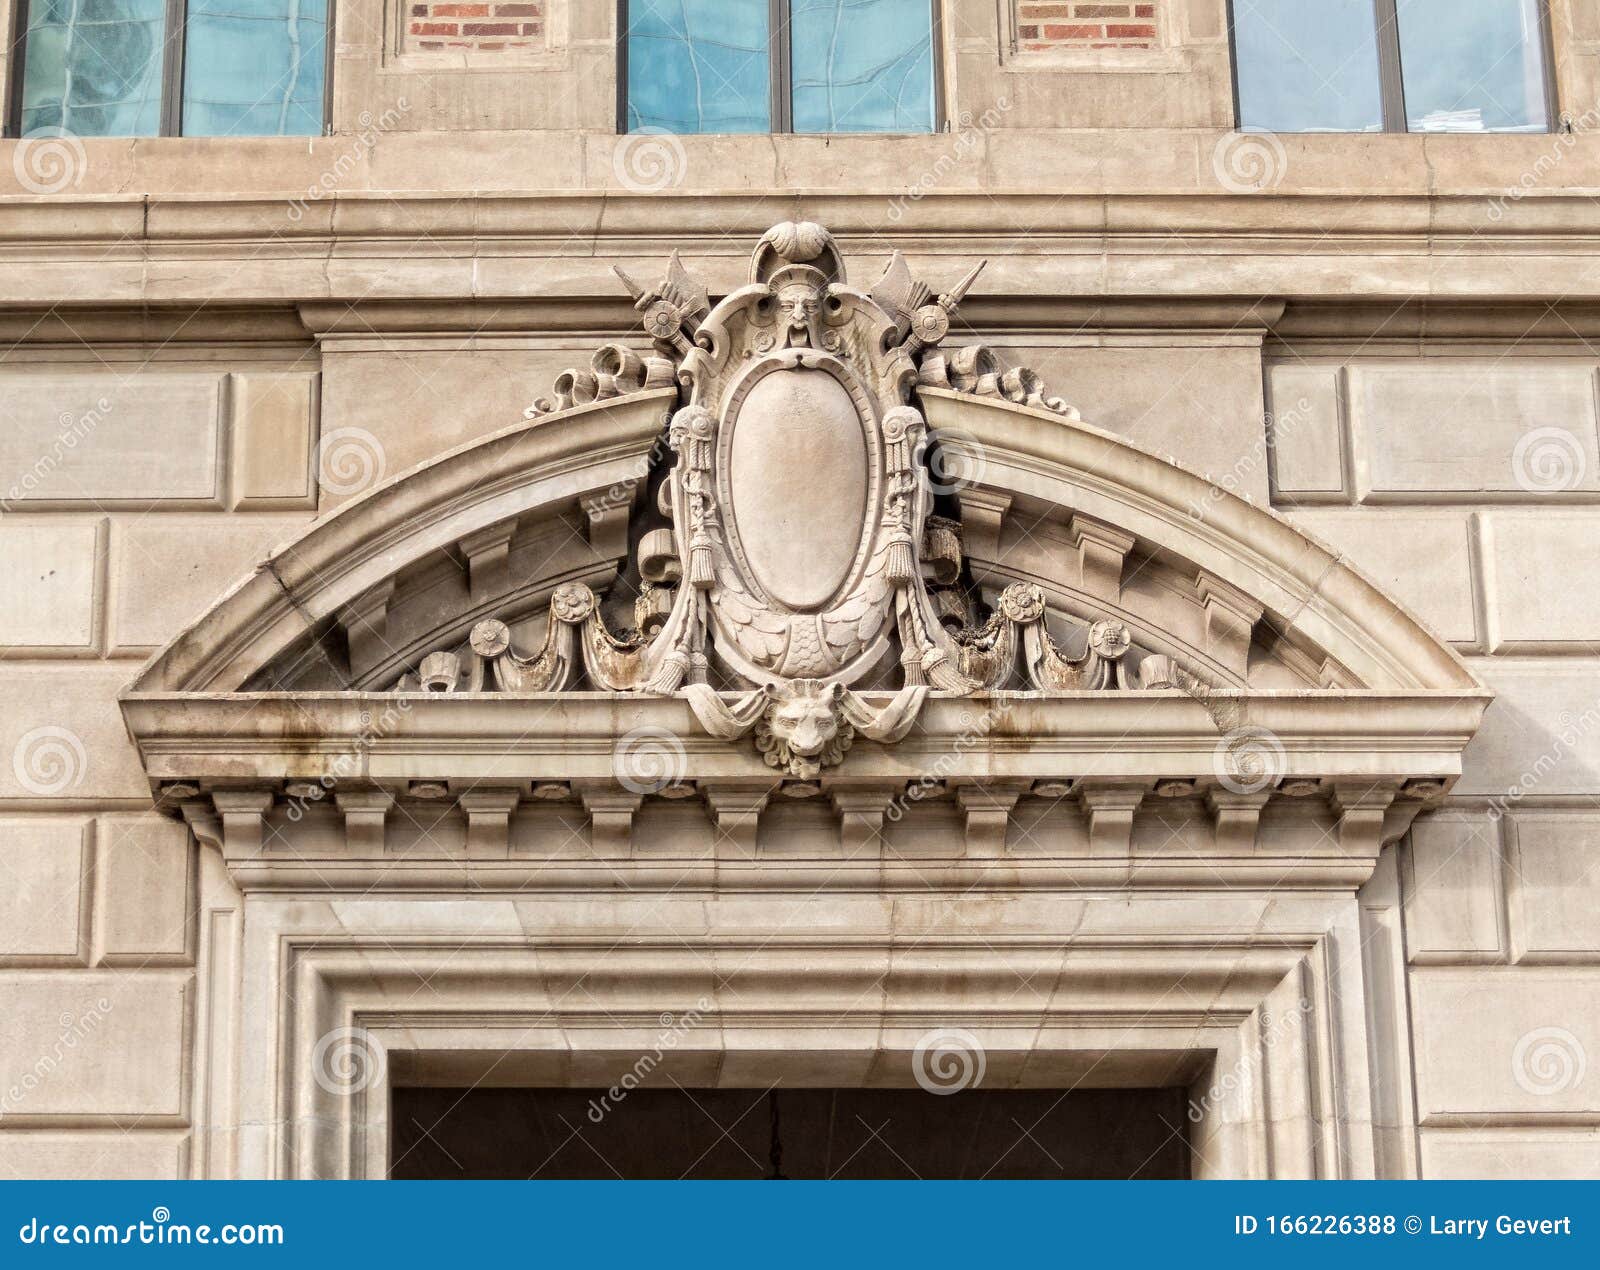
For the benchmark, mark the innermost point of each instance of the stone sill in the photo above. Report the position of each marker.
(986, 163)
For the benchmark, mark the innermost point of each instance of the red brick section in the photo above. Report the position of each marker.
(1047, 25)
(478, 27)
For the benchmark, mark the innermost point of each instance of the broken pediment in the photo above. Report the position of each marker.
(809, 538)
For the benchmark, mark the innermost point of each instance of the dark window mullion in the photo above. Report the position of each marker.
(1391, 79)
(1547, 55)
(172, 68)
(781, 115)
(18, 65)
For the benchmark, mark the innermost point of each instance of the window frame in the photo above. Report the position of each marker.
(174, 45)
(780, 76)
(1391, 80)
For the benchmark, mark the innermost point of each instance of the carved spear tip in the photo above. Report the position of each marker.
(958, 292)
(634, 289)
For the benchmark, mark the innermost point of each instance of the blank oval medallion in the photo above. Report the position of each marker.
(798, 483)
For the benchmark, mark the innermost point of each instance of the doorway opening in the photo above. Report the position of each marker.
(878, 1134)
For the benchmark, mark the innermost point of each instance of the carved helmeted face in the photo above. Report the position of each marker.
(807, 720)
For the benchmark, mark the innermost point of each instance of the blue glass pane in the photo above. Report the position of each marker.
(862, 65)
(1473, 65)
(1308, 67)
(698, 66)
(254, 68)
(93, 67)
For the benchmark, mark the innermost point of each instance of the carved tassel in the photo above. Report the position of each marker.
(701, 572)
(902, 427)
(670, 674)
(901, 566)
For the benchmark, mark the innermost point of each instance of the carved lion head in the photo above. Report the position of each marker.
(805, 717)
(803, 729)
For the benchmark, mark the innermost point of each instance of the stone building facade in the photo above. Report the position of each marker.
(1231, 725)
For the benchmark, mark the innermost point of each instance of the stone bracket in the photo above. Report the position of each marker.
(1101, 553)
(861, 813)
(1110, 806)
(488, 554)
(988, 810)
(488, 813)
(1236, 817)
(244, 813)
(737, 811)
(611, 814)
(364, 814)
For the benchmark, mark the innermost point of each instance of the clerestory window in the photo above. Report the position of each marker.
(194, 68)
(1392, 65)
(779, 66)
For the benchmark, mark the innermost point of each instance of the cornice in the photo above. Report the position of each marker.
(230, 740)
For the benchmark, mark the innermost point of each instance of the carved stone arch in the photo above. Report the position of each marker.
(501, 681)
(1076, 561)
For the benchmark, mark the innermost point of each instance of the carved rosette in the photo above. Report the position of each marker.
(801, 554)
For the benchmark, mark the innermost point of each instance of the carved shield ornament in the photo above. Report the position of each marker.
(802, 554)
